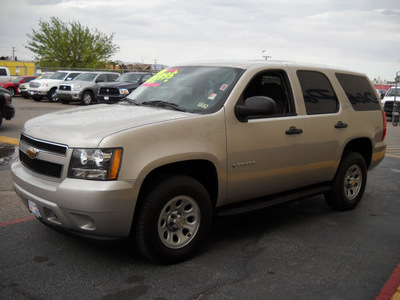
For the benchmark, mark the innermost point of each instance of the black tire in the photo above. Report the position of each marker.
(11, 90)
(173, 219)
(53, 97)
(1, 118)
(349, 183)
(87, 98)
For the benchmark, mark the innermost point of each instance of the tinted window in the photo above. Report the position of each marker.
(318, 93)
(359, 92)
(3, 72)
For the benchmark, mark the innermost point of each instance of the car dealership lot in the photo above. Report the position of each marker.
(301, 250)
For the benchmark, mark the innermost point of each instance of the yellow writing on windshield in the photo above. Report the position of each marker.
(162, 76)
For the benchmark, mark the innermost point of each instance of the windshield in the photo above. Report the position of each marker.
(58, 75)
(392, 92)
(129, 77)
(17, 79)
(194, 88)
(86, 77)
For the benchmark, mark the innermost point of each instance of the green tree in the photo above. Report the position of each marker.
(60, 44)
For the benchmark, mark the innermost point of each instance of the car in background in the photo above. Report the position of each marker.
(40, 88)
(7, 111)
(122, 87)
(13, 84)
(388, 101)
(84, 88)
(23, 88)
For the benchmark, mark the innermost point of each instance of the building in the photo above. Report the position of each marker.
(19, 67)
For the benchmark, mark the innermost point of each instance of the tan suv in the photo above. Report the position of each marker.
(199, 140)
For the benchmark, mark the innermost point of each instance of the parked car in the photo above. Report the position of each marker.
(12, 86)
(7, 110)
(84, 88)
(23, 88)
(40, 88)
(200, 140)
(388, 100)
(122, 87)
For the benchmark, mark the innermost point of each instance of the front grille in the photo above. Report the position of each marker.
(109, 91)
(64, 87)
(42, 145)
(34, 84)
(50, 156)
(40, 166)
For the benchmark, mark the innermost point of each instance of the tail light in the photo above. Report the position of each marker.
(384, 125)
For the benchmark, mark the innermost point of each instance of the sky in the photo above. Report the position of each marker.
(360, 35)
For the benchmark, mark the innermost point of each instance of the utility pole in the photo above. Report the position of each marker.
(13, 53)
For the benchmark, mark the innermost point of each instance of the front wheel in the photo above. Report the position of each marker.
(349, 183)
(53, 97)
(173, 219)
(87, 98)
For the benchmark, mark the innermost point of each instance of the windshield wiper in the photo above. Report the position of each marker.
(131, 101)
(160, 103)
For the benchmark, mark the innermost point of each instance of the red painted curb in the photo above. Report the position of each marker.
(390, 286)
(17, 221)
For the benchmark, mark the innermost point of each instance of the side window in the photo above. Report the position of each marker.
(29, 79)
(112, 77)
(272, 84)
(318, 93)
(3, 72)
(359, 92)
(71, 76)
(102, 78)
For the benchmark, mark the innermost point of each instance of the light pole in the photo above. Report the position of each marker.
(395, 113)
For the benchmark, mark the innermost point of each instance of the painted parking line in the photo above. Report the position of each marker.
(17, 221)
(391, 290)
(8, 140)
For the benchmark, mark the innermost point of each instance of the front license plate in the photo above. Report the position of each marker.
(34, 209)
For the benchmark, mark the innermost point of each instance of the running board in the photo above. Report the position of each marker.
(264, 202)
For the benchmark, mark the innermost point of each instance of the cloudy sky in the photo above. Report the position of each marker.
(362, 35)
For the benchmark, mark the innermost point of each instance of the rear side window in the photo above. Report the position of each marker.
(318, 93)
(3, 72)
(359, 92)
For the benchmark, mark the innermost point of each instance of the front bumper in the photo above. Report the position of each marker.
(98, 209)
(69, 96)
(110, 99)
(38, 92)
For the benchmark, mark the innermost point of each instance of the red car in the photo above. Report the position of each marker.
(13, 84)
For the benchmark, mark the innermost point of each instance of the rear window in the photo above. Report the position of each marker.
(359, 92)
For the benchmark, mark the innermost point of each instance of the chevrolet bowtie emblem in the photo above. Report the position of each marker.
(32, 153)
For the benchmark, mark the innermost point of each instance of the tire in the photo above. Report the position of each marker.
(173, 219)
(11, 90)
(1, 118)
(349, 183)
(87, 98)
(53, 97)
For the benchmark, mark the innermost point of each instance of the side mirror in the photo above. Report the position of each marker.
(255, 106)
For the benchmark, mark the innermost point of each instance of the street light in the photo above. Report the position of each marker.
(395, 113)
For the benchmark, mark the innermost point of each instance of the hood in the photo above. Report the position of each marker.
(86, 127)
(120, 85)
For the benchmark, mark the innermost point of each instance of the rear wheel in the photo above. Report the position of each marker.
(349, 183)
(173, 219)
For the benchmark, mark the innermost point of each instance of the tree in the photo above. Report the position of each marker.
(60, 44)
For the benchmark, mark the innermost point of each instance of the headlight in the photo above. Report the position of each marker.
(77, 87)
(95, 164)
(124, 91)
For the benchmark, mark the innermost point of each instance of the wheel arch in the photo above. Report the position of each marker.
(202, 170)
(362, 146)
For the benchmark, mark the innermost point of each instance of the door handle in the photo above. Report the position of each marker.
(340, 124)
(293, 130)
